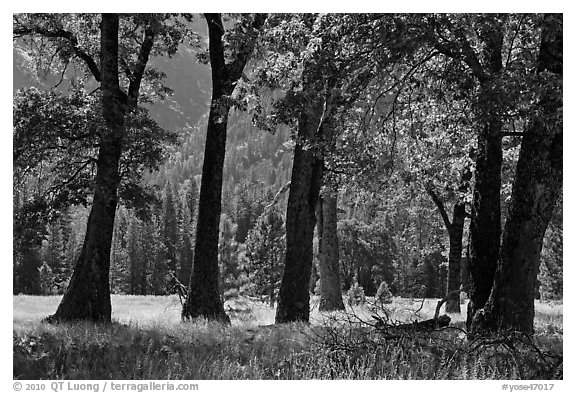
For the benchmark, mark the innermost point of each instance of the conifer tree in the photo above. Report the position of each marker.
(228, 259)
(265, 248)
(170, 234)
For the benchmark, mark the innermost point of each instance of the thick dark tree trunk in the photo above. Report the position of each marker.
(307, 168)
(485, 225)
(203, 298)
(331, 291)
(88, 294)
(536, 188)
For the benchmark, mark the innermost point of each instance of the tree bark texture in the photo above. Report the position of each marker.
(455, 229)
(485, 225)
(307, 168)
(331, 291)
(203, 298)
(537, 186)
(455, 258)
(456, 234)
(88, 294)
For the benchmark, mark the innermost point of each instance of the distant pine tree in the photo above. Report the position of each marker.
(228, 259)
(265, 249)
(119, 261)
(170, 233)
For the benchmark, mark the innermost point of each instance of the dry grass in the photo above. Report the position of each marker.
(150, 310)
(148, 341)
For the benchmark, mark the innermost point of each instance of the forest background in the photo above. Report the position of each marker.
(172, 187)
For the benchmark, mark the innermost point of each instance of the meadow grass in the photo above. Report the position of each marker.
(147, 340)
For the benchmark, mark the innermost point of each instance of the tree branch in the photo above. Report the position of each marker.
(61, 75)
(444, 300)
(440, 206)
(471, 59)
(399, 84)
(22, 31)
(510, 49)
(138, 72)
(235, 68)
(73, 176)
(458, 51)
(512, 133)
(284, 188)
(337, 171)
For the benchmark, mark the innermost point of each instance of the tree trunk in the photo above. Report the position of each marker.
(455, 255)
(455, 229)
(397, 331)
(88, 294)
(272, 286)
(455, 258)
(331, 291)
(204, 298)
(485, 225)
(294, 295)
(537, 185)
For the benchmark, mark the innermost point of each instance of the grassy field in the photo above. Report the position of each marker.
(148, 341)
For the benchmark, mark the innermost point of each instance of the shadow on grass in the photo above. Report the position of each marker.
(159, 347)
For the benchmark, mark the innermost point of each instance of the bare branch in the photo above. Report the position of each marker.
(284, 188)
(444, 300)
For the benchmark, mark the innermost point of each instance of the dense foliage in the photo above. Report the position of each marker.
(405, 125)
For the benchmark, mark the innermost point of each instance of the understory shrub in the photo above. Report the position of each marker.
(356, 295)
(383, 294)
